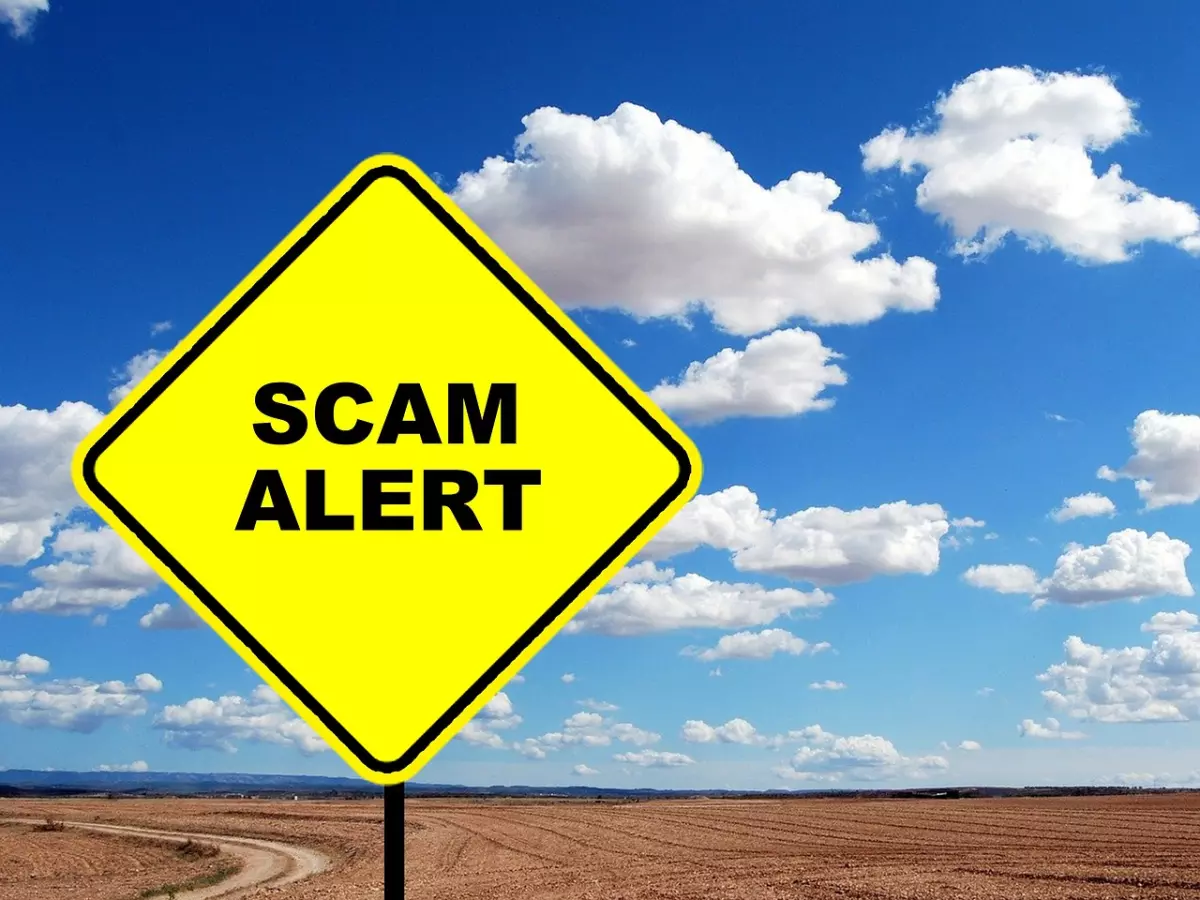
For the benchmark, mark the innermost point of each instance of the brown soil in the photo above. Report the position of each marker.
(39, 864)
(1145, 847)
(349, 833)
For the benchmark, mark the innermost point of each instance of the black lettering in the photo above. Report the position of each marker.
(423, 424)
(264, 400)
(375, 498)
(512, 481)
(436, 499)
(323, 413)
(267, 482)
(501, 403)
(315, 517)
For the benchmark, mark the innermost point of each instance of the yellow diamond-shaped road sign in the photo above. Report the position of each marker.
(387, 469)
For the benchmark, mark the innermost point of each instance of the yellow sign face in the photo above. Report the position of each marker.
(387, 469)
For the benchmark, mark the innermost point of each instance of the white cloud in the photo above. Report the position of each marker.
(36, 491)
(970, 746)
(827, 686)
(967, 522)
(645, 571)
(824, 756)
(1051, 730)
(25, 664)
(781, 374)
(1159, 683)
(821, 545)
(586, 729)
(598, 705)
(132, 373)
(138, 766)
(831, 546)
(69, 704)
(1004, 579)
(688, 601)
(19, 14)
(1165, 622)
(985, 692)
(205, 724)
(627, 211)
(1009, 152)
(735, 731)
(729, 519)
(755, 645)
(1129, 565)
(497, 715)
(584, 769)
(654, 759)
(1084, 506)
(167, 616)
(160, 327)
(96, 570)
(1165, 467)
(567, 678)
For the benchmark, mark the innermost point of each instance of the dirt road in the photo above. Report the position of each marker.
(264, 863)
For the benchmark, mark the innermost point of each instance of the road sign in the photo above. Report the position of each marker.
(386, 469)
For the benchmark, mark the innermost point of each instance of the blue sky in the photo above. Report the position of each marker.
(1005, 325)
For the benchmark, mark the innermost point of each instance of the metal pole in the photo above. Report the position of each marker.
(393, 842)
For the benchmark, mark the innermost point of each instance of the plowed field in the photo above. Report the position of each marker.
(1144, 847)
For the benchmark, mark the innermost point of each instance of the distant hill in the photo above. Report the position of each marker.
(28, 782)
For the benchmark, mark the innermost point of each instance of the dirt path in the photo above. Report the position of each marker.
(263, 862)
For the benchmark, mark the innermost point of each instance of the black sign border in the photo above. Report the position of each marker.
(243, 303)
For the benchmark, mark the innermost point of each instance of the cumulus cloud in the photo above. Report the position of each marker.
(1129, 565)
(36, 491)
(137, 766)
(1084, 506)
(1008, 152)
(970, 746)
(598, 705)
(497, 715)
(827, 686)
(567, 677)
(205, 724)
(132, 373)
(658, 759)
(688, 601)
(1165, 466)
(95, 570)
(784, 373)
(584, 769)
(1159, 683)
(820, 545)
(167, 616)
(630, 212)
(755, 645)
(586, 729)
(1163, 622)
(730, 519)
(1003, 579)
(1051, 730)
(20, 14)
(69, 704)
(831, 546)
(735, 731)
(824, 756)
